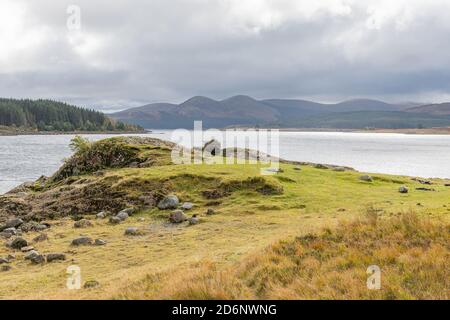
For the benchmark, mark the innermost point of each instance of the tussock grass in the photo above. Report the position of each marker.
(412, 252)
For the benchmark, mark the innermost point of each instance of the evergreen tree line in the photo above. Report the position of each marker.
(49, 115)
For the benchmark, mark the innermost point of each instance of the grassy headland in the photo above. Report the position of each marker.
(305, 232)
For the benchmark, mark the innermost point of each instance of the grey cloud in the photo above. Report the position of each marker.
(136, 52)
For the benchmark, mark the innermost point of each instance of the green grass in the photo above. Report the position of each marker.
(247, 221)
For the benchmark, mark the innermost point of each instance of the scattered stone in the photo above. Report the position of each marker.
(403, 189)
(366, 178)
(18, 243)
(122, 215)
(320, 166)
(11, 257)
(82, 241)
(40, 227)
(297, 168)
(41, 237)
(169, 202)
(115, 220)
(5, 268)
(5, 235)
(83, 223)
(4, 260)
(34, 256)
(27, 248)
(99, 242)
(210, 211)
(421, 181)
(193, 220)
(339, 169)
(56, 257)
(13, 223)
(133, 231)
(129, 211)
(91, 284)
(12, 231)
(177, 216)
(425, 189)
(187, 206)
(101, 215)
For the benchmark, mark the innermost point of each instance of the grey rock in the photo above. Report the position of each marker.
(115, 220)
(5, 235)
(366, 178)
(27, 248)
(169, 202)
(403, 189)
(177, 216)
(83, 223)
(339, 169)
(122, 215)
(4, 260)
(56, 257)
(320, 166)
(41, 237)
(297, 168)
(187, 206)
(210, 211)
(35, 257)
(99, 242)
(132, 231)
(13, 223)
(12, 231)
(18, 243)
(129, 211)
(101, 215)
(31, 254)
(82, 241)
(193, 220)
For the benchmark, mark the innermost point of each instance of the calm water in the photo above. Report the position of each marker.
(25, 158)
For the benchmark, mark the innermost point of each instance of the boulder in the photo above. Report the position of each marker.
(133, 231)
(129, 211)
(35, 257)
(187, 206)
(12, 231)
(403, 189)
(83, 223)
(169, 202)
(115, 220)
(13, 223)
(297, 168)
(101, 215)
(177, 216)
(56, 257)
(122, 215)
(18, 243)
(193, 220)
(4, 260)
(339, 169)
(41, 237)
(81, 241)
(320, 166)
(99, 242)
(366, 178)
(27, 248)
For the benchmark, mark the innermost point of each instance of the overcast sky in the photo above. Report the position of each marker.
(128, 53)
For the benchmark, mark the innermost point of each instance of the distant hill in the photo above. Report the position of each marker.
(48, 115)
(246, 111)
(435, 109)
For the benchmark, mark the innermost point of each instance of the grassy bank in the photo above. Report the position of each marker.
(236, 252)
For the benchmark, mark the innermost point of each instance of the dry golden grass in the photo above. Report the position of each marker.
(413, 254)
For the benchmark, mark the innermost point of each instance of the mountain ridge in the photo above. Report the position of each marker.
(245, 110)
